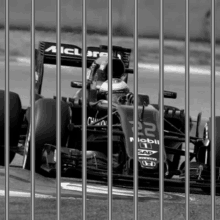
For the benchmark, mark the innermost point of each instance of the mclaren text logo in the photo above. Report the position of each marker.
(147, 140)
(146, 152)
(68, 51)
(77, 52)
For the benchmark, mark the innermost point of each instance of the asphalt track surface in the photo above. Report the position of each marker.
(174, 202)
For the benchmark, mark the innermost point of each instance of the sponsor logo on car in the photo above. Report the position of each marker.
(147, 158)
(76, 52)
(146, 163)
(91, 120)
(206, 131)
(145, 129)
(36, 76)
(145, 145)
(146, 152)
(63, 50)
(145, 140)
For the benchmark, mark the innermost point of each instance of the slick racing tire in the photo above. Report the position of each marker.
(45, 128)
(217, 140)
(207, 134)
(14, 123)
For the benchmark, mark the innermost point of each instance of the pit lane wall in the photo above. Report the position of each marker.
(123, 15)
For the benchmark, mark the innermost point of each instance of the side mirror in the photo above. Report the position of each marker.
(169, 94)
(77, 84)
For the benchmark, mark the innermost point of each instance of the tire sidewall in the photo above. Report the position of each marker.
(45, 128)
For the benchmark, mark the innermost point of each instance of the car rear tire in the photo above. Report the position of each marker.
(14, 123)
(201, 154)
(45, 128)
(208, 134)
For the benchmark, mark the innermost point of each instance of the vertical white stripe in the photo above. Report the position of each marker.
(7, 113)
(110, 109)
(161, 109)
(213, 159)
(84, 115)
(32, 109)
(136, 110)
(58, 108)
(187, 92)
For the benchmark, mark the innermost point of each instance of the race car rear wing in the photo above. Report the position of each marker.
(71, 55)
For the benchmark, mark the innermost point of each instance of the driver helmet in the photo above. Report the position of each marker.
(119, 89)
(101, 74)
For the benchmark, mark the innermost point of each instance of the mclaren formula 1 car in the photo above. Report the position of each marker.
(97, 126)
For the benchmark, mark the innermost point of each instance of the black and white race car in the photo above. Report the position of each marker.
(97, 126)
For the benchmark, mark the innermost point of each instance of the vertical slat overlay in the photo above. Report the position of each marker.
(110, 115)
(58, 108)
(110, 109)
(161, 98)
(136, 110)
(7, 113)
(32, 109)
(84, 115)
(187, 92)
(213, 159)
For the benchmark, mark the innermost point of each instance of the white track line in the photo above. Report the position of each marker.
(178, 69)
(98, 189)
(20, 194)
(101, 190)
(25, 194)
